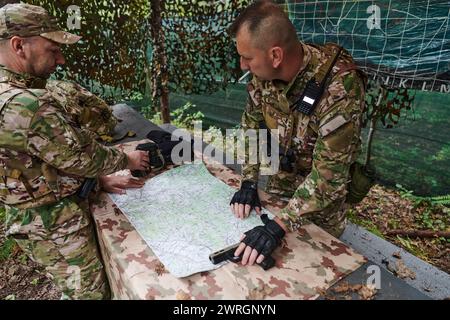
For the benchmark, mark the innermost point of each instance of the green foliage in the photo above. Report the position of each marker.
(23, 258)
(136, 96)
(183, 117)
(393, 223)
(416, 153)
(433, 213)
(405, 193)
(367, 224)
(409, 245)
(443, 154)
(443, 200)
(186, 116)
(427, 220)
(223, 141)
(6, 249)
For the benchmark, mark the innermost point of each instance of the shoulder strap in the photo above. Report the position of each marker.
(322, 74)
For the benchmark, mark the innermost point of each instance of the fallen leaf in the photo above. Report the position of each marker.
(364, 291)
(397, 255)
(404, 272)
(367, 292)
(160, 269)
(356, 287)
(326, 295)
(343, 287)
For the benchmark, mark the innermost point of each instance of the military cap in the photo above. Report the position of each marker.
(25, 20)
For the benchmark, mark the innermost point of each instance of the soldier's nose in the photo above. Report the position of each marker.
(60, 60)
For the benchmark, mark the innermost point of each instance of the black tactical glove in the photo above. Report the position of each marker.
(265, 239)
(248, 194)
(165, 144)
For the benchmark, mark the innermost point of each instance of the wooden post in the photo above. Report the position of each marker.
(161, 78)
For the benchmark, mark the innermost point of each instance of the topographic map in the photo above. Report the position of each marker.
(184, 215)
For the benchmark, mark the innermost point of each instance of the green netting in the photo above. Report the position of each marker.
(415, 153)
(405, 43)
(401, 44)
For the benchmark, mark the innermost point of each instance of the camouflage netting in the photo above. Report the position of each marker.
(126, 47)
(199, 48)
(386, 104)
(192, 51)
(111, 58)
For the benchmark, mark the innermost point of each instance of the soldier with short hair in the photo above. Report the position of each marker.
(46, 156)
(319, 133)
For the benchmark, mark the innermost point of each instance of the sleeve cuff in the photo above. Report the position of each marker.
(291, 220)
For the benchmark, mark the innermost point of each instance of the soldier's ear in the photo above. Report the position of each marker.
(16, 44)
(276, 55)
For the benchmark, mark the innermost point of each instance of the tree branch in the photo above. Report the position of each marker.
(419, 233)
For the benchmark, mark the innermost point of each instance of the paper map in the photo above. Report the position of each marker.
(184, 215)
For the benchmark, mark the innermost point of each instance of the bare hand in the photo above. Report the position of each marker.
(118, 184)
(138, 160)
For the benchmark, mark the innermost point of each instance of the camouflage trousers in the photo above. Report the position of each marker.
(61, 238)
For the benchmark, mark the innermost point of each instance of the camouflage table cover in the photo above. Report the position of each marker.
(308, 262)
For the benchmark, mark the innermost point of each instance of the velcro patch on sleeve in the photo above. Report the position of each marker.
(332, 125)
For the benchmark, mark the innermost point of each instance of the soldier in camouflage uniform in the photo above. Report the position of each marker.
(322, 146)
(47, 152)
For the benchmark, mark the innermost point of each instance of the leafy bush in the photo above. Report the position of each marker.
(183, 117)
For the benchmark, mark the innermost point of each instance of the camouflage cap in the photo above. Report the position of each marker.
(24, 20)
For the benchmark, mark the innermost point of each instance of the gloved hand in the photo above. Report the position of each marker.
(165, 144)
(155, 159)
(248, 197)
(265, 239)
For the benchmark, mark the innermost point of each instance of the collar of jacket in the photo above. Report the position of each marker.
(21, 80)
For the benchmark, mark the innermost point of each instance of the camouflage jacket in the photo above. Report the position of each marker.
(84, 109)
(325, 144)
(43, 156)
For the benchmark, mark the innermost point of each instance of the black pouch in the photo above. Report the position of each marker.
(287, 161)
(362, 179)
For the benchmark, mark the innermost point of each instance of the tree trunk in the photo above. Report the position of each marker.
(161, 76)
